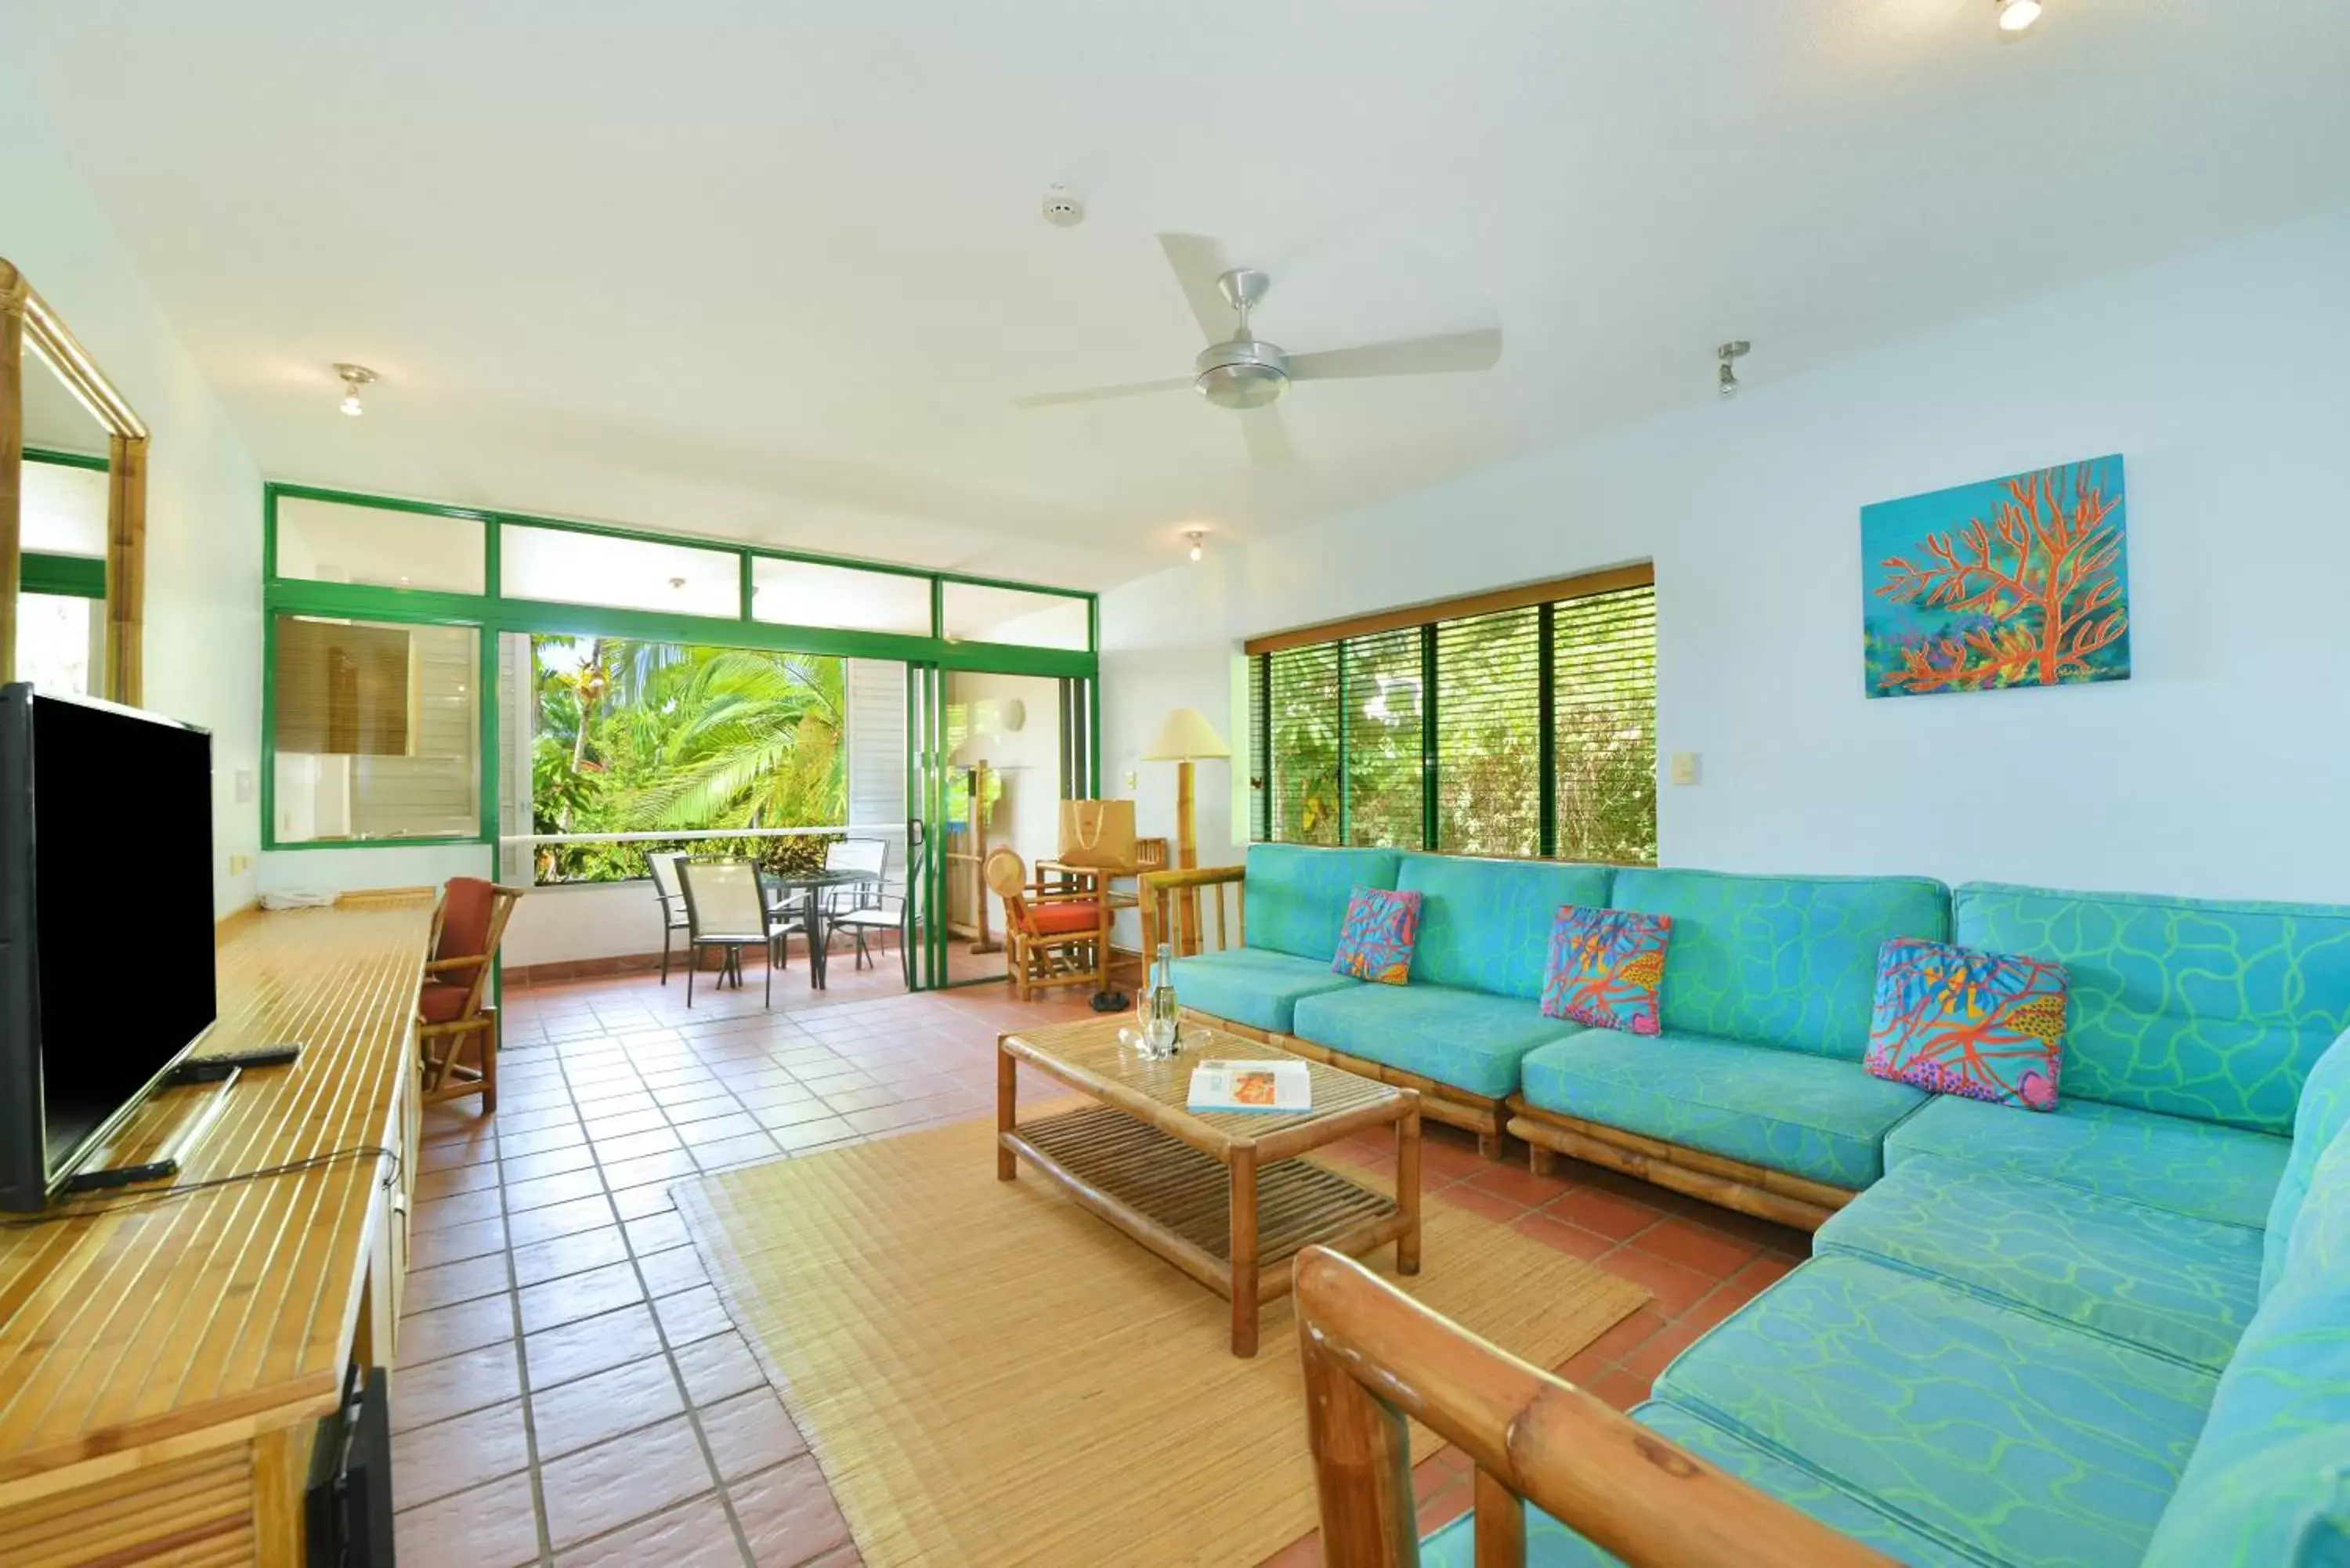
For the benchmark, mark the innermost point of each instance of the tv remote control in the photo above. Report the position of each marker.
(212, 1069)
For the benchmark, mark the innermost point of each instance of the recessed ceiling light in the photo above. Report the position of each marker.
(2017, 15)
(354, 376)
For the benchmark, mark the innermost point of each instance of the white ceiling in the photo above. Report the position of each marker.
(776, 271)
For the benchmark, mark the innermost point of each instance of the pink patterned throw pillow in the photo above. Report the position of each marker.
(1607, 967)
(1376, 943)
(1983, 1026)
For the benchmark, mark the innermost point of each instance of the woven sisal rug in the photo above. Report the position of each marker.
(990, 1374)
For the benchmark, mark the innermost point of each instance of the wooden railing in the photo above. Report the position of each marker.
(1170, 905)
(1374, 1356)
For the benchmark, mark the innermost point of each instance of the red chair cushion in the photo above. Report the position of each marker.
(465, 917)
(1061, 920)
(442, 1003)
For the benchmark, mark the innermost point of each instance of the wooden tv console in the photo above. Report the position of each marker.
(162, 1365)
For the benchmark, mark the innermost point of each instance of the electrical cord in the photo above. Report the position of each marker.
(90, 1210)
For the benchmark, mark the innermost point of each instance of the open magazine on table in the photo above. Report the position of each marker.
(1251, 1086)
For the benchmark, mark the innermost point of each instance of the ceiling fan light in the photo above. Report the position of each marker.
(1242, 385)
(2017, 15)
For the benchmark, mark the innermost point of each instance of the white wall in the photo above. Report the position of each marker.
(589, 920)
(2220, 768)
(1028, 817)
(357, 869)
(204, 501)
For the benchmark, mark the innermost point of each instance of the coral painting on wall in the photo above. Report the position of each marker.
(2019, 581)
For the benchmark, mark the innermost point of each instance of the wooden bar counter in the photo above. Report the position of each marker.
(163, 1359)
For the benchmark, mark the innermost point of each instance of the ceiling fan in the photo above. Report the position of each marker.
(1239, 370)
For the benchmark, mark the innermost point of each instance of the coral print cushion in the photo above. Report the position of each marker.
(1605, 965)
(1986, 1026)
(1376, 941)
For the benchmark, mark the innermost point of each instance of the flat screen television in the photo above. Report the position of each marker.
(106, 924)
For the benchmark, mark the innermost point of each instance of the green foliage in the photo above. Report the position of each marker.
(636, 737)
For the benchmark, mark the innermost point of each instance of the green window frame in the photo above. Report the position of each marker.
(1547, 693)
(495, 615)
(69, 576)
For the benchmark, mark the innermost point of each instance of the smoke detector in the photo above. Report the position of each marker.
(1063, 208)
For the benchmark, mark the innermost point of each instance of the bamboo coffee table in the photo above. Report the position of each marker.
(1218, 1194)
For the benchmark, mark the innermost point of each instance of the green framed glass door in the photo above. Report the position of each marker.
(992, 752)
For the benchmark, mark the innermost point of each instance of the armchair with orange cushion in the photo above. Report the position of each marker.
(1050, 938)
(450, 1014)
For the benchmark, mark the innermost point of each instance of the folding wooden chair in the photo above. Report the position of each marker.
(450, 1013)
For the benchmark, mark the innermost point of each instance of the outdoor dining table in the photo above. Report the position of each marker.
(812, 886)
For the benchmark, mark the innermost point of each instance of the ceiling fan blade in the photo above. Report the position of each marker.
(1408, 356)
(1199, 262)
(1102, 394)
(1268, 434)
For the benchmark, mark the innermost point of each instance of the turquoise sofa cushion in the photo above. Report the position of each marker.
(1804, 1115)
(2178, 1286)
(2323, 1111)
(2201, 1169)
(2196, 1008)
(2269, 1482)
(1294, 898)
(1995, 1431)
(1550, 1545)
(1253, 986)
(1484, 925)
(1789, 961)
(1463, 1038)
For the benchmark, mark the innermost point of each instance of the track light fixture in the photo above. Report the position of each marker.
(354, 378)
(1726, 358)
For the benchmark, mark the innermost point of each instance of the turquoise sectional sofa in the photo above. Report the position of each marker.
(2115, 1333)
(1472, 1011)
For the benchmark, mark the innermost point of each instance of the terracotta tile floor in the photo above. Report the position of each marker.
(570, 1391)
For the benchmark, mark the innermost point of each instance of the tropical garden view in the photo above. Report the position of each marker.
(1357, 753)
(634, 737)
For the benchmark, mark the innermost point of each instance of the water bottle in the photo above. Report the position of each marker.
(1160, 1026)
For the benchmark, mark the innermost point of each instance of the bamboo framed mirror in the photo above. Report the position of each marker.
(55, 398)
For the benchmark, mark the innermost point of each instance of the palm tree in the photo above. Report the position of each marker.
(755, 741)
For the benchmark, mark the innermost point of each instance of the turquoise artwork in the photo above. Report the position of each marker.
(2021, 581)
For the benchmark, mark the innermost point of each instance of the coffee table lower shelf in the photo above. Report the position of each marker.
(1177, 1201)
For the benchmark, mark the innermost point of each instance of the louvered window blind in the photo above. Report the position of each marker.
(1604, 726)
(1439, 733)
(1383, 763)
(377, 731)
(1260, 671)
(342, 689)
(1489, 701)
(1302, 744)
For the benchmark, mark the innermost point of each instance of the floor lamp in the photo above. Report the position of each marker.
(1185, 738)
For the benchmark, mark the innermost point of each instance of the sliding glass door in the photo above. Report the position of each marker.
(994, 754)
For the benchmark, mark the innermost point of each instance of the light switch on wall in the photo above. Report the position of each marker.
(1684, 768)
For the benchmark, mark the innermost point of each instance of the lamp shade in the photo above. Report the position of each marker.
(1187, 736)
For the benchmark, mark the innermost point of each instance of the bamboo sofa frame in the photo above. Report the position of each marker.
(1754, 1190)
(1373, 1357)
(1732, 1183)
